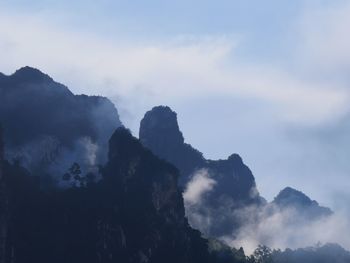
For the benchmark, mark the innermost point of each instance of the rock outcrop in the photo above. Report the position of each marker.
(47, 127)
(135, 214)
(233, 183)
(3, 205)
(160, 132)
(306, 208)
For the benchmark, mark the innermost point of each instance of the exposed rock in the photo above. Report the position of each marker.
(234, 182)
(290, 198)
(134, 214)
(159, 131)
(3, 205)
(36, 110)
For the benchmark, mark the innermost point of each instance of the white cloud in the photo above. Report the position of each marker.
(285, 229)
(199, 185)
(194, 199)
(325, 38)
(183, 67)
(139, 75)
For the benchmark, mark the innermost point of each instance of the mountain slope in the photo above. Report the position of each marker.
(290, 198)
(46, 124)
(134, 214)
(229, 184)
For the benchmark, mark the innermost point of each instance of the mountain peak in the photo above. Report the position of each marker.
(122, 139)
(1, 149)
(290, 195)
(161, 120)
(235, 158)
(30, 74)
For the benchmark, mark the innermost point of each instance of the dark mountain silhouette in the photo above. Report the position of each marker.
(3, 204)
(328, 253)
(159, 131)
(45, 123)
(290, 198)
(230, 199)
(234, 183)
(135, 213)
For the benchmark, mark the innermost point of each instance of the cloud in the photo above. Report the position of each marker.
(182, 67)
(267, 224)
(287, 229)
(199, 185)
(194, 199)
(138, 74)
(325, 42)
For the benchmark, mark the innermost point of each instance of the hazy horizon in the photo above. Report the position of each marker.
(267, 80)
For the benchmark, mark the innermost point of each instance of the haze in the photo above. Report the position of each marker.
(265, 79)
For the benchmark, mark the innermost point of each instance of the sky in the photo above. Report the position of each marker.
(265, 79)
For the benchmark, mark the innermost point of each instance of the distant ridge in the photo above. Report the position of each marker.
(234, 182)
(36, 110)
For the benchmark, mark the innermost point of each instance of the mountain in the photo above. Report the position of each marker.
(135, 213)
(290, 198)
(115, 198)
(221, 198)
(328, 253)
(160, 132)
(47, 127)
(3, 204)
(230, 184)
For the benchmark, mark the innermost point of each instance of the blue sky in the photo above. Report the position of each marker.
(266, 79)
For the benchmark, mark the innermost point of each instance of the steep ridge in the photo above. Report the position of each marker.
(159, 131)
(3, 205)
(135, 213)
(47, 127)
(220, 196)
(232, 183)
(290, 198)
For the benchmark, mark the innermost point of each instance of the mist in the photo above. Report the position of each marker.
(281, 229)
(270, 224)
(53, 128)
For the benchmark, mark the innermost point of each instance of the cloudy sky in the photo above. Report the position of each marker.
(266, 79)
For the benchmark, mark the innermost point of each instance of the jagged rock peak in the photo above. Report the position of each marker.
(292, 198)
(161, 120)
(30, 74)
(235, 158)
(291, 195)
(123, 143)
(1, 147)
(1, 154)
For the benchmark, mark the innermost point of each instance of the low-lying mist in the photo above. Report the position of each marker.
(267, 224)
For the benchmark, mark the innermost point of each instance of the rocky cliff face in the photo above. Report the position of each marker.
(221, 198)
(290, 198)
(3, 205)
(47, 127)
(134, 214)
(159, 131)
(232, 184)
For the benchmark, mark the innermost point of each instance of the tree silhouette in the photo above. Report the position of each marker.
(262, 254)
(74, 173)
